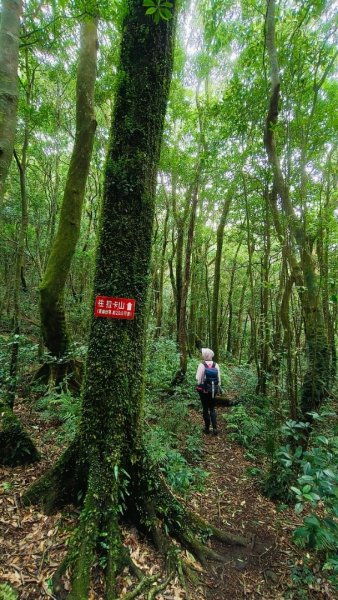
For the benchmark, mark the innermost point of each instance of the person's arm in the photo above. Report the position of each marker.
(200, 374)
(219, 374)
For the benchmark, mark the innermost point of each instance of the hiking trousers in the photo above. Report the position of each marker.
(209, 412)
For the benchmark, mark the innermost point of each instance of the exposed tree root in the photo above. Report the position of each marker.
(65, 375)
(220, 534)
(159, 587)
(61, 485)
(140, 588)
(147, 501)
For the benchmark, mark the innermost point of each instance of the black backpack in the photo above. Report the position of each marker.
(210, 383)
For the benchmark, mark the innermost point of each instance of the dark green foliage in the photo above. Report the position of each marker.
(253, 425)
(240, 381)
(289, 470)
(161, 363)
(16, 447)
(26, 359)
(171, 438)
(62, 409)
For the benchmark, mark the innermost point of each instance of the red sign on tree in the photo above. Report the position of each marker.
(114, 308)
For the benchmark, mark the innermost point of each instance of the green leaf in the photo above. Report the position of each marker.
(329, 473)
(149, 3)
(298, 508)
(151, 11)
(308, 497)
(165, 14)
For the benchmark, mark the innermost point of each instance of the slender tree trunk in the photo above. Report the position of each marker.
(264, 338)
(277, 342)
(182, 333)
(52, 288)
(253, 352)
(9, 58)
(180, 227)
(230, 303)
(197, 306)
(323, 244)
(316, 379)
(238, 337)
(159, 312)
(217, 272)
(16, 447)
(18, 271)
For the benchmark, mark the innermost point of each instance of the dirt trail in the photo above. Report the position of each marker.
(32, 544)
(233, 501)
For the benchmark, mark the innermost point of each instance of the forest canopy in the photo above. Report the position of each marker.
(184, 157)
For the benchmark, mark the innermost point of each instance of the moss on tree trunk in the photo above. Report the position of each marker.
(53, 318)
(117, 474)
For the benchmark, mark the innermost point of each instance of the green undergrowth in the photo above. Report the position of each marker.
(63, 411)
(7, 592)
(174, 442)
(306, 478)
(27, 356)
(171, 437)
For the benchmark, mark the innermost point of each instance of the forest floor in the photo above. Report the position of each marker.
(33, 544)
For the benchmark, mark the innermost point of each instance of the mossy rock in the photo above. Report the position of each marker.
(7, 592)
(16, 447)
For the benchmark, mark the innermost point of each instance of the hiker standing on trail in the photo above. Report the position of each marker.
(208, 379)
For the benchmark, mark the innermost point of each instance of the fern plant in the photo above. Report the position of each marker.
(7, 592)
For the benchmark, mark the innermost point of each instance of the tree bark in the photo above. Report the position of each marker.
(182, 331)
(17, 448)
(303, 270)
(217, 272)
(9, 58)
(230, 303)
(121, 477)
(53, 319)
(264, 337)
(159, 311)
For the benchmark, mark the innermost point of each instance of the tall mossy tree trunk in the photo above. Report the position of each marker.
(107, 459)
(9, 58)
(302, 266)
(53, 319)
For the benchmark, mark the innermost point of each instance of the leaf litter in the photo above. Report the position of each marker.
(32, 544)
